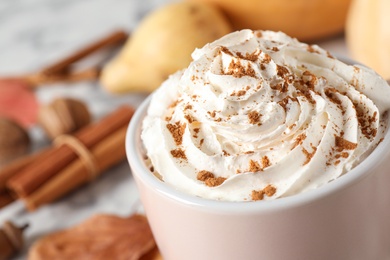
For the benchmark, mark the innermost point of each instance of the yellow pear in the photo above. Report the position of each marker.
(368, 34)
(162, 44)
(307, 20)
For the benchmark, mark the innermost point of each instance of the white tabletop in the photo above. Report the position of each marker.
(35, 33)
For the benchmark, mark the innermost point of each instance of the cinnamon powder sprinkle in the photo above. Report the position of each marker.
(344, 144)
(237, 70)
(257, 195)
(299, 140)
(177, 131)
(283, 103)
(189, 118)
(268, 191)
(249, 56)
(267, 58)
(254, 117)
(265, 161)
(254, 166)
(209, 179)
(204, 175)
(212, 113)
(281, 71)
(311, 49)
(312, 79)
(174, 104)
(179, 153)
(226, 50)
(239, 93)
(308, 155)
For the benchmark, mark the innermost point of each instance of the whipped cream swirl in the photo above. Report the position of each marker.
(258, 115)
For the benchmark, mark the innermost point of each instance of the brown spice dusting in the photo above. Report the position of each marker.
(209, 179)
(257, 195)
(212, 113)
(280, 87)
(329, 92)
(225, 153)
(342, 155)
(329, 55)
(268, 190)
(254, 166)
(201, 142)
(239, 93)
(283, 103)
(275, 49)
(177, 131)
(267, 58)
(299, 140)
(173, 104)
(366, 121)
(179, 153)
(226, 50)
(265, 161)
(303, 91)
(344, 144)
(249, 56)
(262, 66)
(310, 79)
(213, 182)
(237, 70)
(281, 71)
(189, 118)
(309, 155)
(259, 34)
(311, 49)
(254, 117)
(204, 175)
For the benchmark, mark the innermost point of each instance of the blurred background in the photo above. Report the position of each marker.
(66, 64)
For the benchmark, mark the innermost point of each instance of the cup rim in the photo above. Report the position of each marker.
(138, 167)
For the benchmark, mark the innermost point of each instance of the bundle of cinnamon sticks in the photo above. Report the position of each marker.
(51, 173)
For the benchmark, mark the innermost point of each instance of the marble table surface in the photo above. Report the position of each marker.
(35, 33)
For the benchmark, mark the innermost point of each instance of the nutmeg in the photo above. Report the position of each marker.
(63, 116)
(14, 140)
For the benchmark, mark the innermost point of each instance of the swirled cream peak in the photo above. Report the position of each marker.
(259, 115)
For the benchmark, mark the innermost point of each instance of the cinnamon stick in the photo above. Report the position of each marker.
(18, 165)
(62, 65)
(108, 152)
(61, 70)
(5, 199)
(38, 79)
(36, 174)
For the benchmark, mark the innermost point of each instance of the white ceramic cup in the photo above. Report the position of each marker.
(347, 219)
